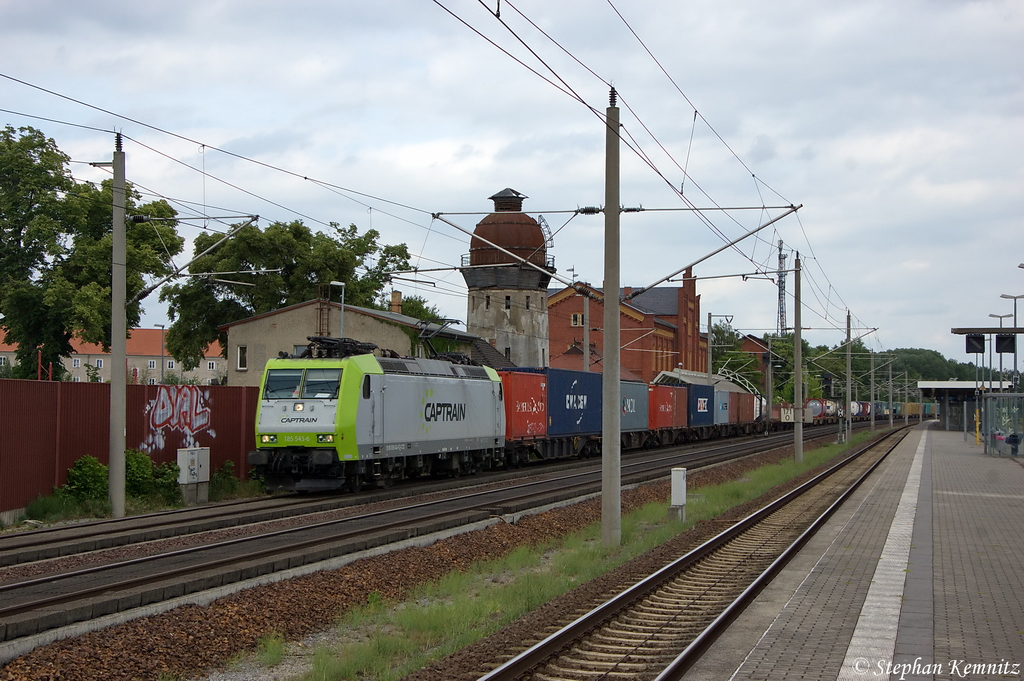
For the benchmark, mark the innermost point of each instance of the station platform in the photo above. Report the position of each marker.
(919, 576)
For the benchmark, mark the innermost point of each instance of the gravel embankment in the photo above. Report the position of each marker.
(186, 641)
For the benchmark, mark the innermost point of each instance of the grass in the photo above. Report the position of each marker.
(386, 641)
(270, 649)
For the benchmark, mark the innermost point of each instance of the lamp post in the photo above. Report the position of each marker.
(341, 326)
(1007, 296)
(161, 353)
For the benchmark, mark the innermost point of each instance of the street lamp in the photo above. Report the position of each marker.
(341, 326)
(1007, 296)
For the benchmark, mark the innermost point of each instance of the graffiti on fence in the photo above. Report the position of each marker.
(184, 409)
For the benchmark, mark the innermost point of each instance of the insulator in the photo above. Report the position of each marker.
(589, 210)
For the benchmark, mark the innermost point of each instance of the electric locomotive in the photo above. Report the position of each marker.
(338, 417)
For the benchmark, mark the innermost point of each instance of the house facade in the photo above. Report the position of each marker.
(251, 342)
(147, 361)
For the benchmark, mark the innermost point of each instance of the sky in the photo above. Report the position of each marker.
(897, 126)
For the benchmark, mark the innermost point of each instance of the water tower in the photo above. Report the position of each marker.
(508, 300)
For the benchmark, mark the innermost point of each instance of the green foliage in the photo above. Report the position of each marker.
(55, 241)
(165, 483)
(416, 306)
(223, 483)
(87, 479)
(929, 365)
(726, 355)
(138, 473)
(270, 649)
(307, 260)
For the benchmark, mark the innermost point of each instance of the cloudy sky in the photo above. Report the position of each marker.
(898, 126)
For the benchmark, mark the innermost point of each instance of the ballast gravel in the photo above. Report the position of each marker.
(194, 642)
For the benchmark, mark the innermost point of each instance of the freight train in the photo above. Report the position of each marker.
(825, 410)
(341, 417)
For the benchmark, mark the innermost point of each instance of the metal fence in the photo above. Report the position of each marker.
(46, 426)
(1002, 423)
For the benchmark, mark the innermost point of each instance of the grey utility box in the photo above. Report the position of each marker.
(194, 475)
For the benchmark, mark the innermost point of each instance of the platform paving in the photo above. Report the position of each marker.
(920, 576)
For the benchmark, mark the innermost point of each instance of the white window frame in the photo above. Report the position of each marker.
(242, 358)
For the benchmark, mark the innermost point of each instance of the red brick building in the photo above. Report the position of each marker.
(660, 329)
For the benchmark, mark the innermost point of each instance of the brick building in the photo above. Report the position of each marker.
(660, 329)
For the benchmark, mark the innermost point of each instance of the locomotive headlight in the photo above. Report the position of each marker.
(299, 406)
(268, 439)
(325, 437)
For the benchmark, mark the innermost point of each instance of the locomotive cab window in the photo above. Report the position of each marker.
(282, 384)
(321, 384)
(366, 387)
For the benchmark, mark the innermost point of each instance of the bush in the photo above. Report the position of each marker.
(165, 483)
(223, 483)
(87, 479)
(138, 474)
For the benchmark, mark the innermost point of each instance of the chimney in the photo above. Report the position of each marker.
(508, 201)
(396, 302)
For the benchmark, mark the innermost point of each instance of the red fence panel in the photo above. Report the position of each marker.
(164, 418)
(46, 426)
(27, 442)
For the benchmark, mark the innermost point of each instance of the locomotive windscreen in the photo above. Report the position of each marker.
(283, 384)
(321, 384)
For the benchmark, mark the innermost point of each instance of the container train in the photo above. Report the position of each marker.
(341, 417)
(824, 410)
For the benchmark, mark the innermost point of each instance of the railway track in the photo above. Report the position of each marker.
(68, 540)
(58, 597)
(657, 628)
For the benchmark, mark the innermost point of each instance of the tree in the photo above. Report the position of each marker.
(726, 355)
(417, 306)
(307, 261)
(783, 372)
(55, 251)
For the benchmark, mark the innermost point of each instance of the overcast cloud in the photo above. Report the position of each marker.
(897, 125)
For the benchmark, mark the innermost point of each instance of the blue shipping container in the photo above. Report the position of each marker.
(574, 403)
(634, 406)
(721, 407)
(702, 403)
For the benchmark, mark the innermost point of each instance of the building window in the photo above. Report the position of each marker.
(508, 302)
(508, 354)
(76, 362)
(577, 319)
(213, 381)
(152, 364)
(243, 358)
(527, 302)
(99, 364)
(3, 360)
(152, 381)
(212, 366)
(487, 302)
(76, 379)
(170, 364)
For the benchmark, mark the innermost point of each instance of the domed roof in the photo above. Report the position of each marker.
(509, 228)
